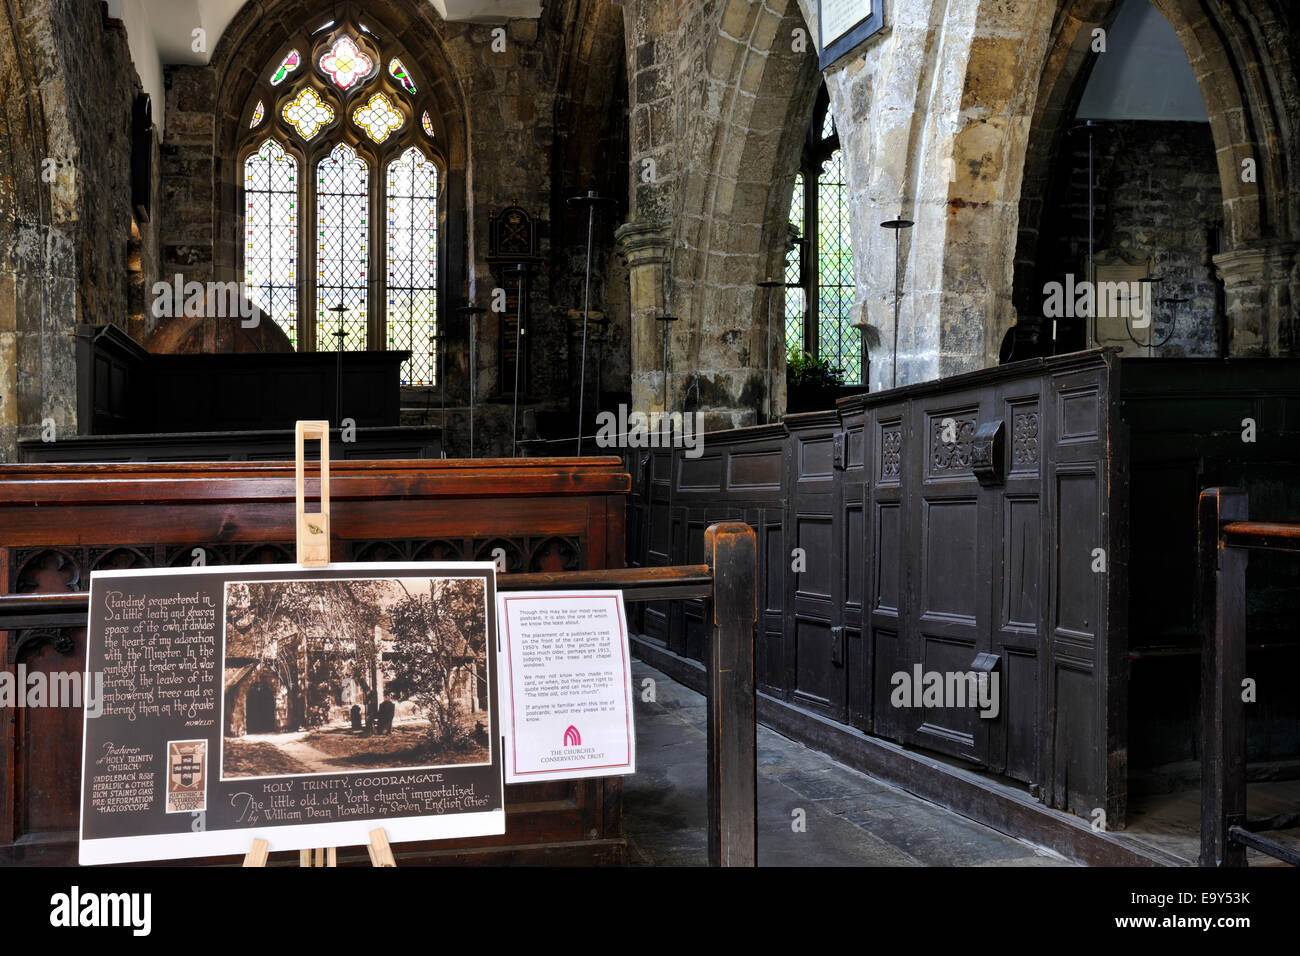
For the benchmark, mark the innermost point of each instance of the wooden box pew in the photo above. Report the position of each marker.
(1042, 513)
(58, 523)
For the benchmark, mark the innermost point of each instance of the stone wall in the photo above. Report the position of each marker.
(1157, 195)
(65, 206)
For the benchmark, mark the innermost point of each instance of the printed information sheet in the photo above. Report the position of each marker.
(304, 707)
(566, 685)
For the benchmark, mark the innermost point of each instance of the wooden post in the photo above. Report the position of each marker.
(732, 557)
(256, 855)
(313, 529)
(381, 854)
(1223, 662)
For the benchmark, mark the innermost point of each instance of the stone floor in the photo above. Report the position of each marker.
(848, 818)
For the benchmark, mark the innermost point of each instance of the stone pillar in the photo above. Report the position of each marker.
(645, 244)
(1257, 291)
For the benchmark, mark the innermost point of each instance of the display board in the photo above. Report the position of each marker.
(566, 685)
(843, 24)
(302, 707)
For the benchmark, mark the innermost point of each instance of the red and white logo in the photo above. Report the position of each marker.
(571, 737)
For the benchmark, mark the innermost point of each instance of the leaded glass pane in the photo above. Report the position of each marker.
(378, 117)
(287, 66)
(271, 235)
(342, 256)
(412, 314)
(307, 113)
(794, 304)
(396, 68)
(345, 63)
(838, 340)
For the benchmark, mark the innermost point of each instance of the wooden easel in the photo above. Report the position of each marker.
(313, 543)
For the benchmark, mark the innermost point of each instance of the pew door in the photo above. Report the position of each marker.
(949, 557)
(816, 669)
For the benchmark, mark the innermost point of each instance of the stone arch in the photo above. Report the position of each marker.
(1242, 65)
(253, 37)
(998, 94)
(723, 119)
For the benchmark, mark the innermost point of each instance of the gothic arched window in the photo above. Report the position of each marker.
(348, 107)
(819, 321)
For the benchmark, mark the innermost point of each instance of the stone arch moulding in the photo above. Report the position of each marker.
(1223, 43)
(712, 228)
(999, 91)
(252, 41)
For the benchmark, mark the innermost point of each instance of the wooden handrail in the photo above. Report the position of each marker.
(1261, 535)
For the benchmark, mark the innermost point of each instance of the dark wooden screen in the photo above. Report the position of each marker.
(914, 558)
(60, 522)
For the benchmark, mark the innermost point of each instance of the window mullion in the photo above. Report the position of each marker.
(308, 272)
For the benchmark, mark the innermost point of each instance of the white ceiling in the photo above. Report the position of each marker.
(1144, 73)
(161, 32)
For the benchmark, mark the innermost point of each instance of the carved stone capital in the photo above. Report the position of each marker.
(644, 241)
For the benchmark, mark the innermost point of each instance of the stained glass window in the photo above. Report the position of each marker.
(342, 257)
(396, 68)
(378, 118)
(271, 235)
(412, 313)
(384, 195)
(345, 63)
(308, 113)
(287, 66)
(819, 314)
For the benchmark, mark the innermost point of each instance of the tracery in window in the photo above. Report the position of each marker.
(399, 72)
(345, 63)
(308, 113)
(287, 66)
(370, 195)
(378, 118)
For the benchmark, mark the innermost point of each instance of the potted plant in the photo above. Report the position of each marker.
(811, 383)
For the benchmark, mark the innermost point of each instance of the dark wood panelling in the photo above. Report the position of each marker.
(911, 561)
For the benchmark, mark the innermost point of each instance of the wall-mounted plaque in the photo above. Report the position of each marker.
(304, 707)
(512, 234)
(843, 24)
